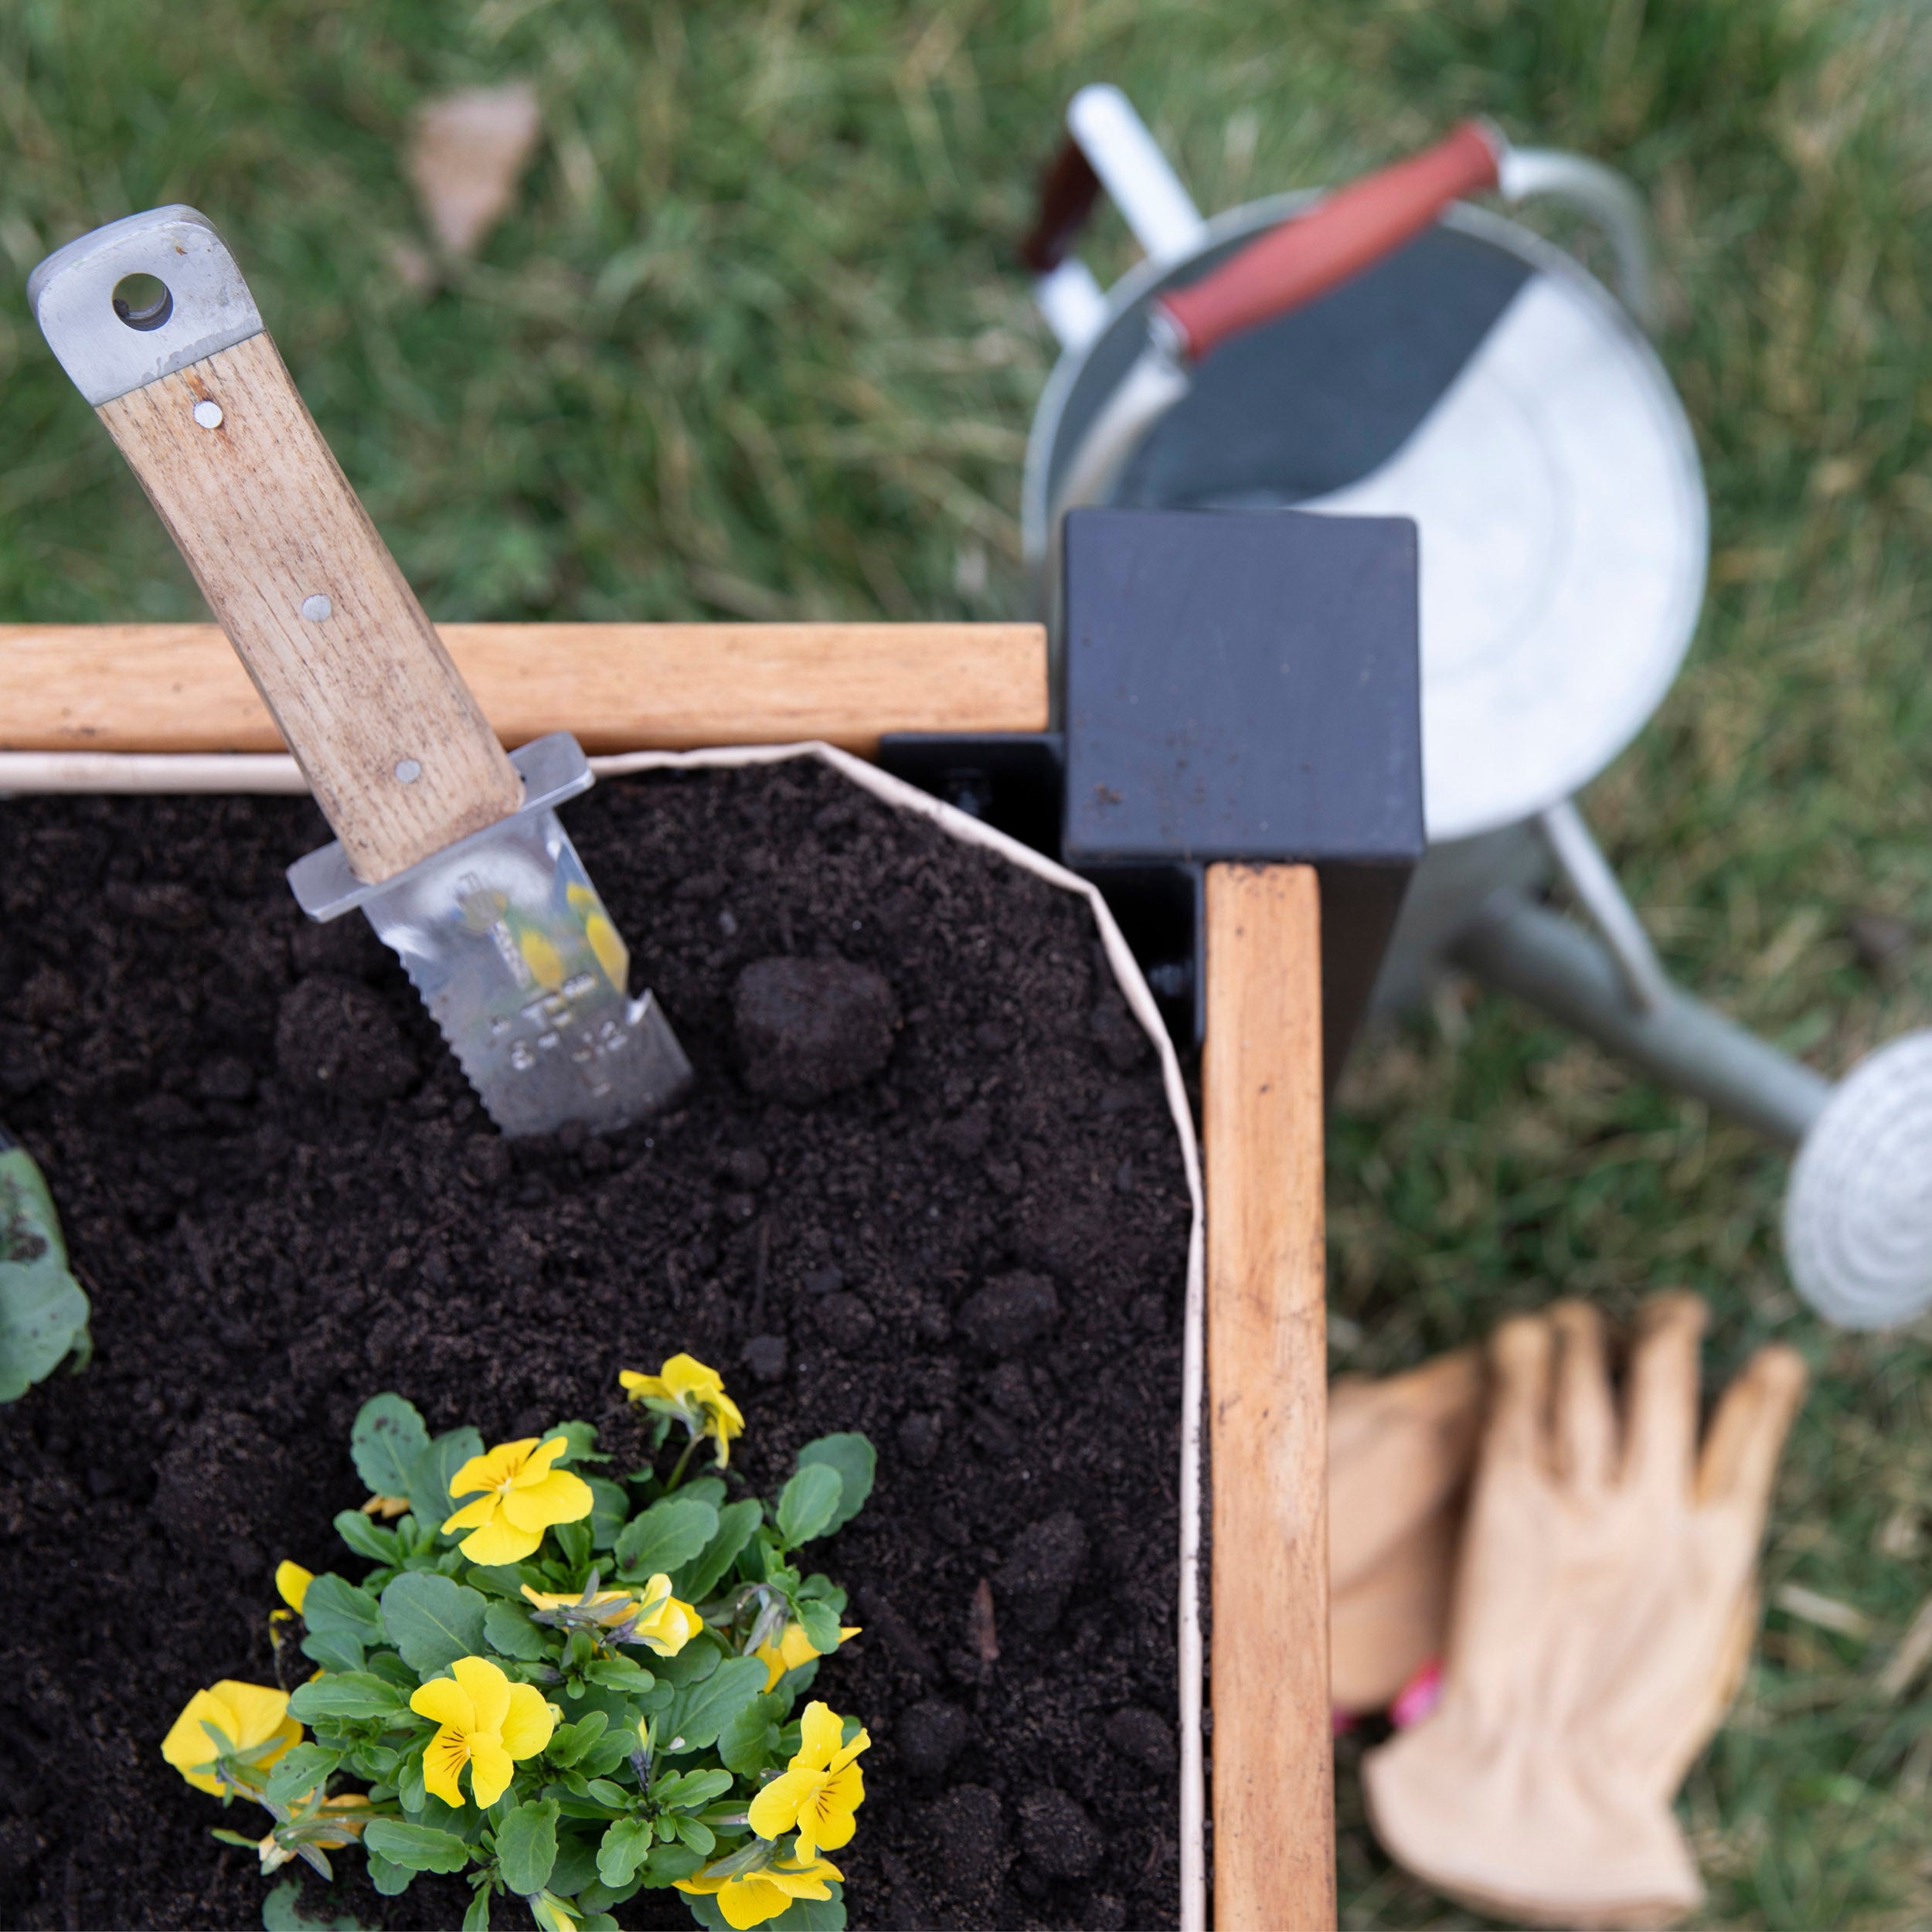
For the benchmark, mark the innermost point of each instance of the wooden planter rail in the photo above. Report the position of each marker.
(180, 688)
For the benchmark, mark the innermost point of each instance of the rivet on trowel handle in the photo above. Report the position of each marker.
(208, 414)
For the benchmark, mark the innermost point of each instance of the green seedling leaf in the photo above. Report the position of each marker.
(415, 1847)
(670, 1862)
(748, 1743)
(810, 1500)
(624, 1847)
(575, 1866)
(704, 1574)
(610, 1507)
(333, 1606)
(689, 1789)
(386, 1437)
(526, 1845)
(281, 1913)
(568, 1742)
(857, 1463)
(43, 1310)
(368, 1539)
(666, 1536)
(619, 1673)
(699, 1712)
(820, 1623)
(347, 1697)
(510, 1631)
(582, 1439)
(428, 1479)
(388, 1878)
(299, 1769)
(432, 1620)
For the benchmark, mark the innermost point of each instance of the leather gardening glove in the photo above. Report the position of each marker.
(1400, 1455)
(1606, 1572)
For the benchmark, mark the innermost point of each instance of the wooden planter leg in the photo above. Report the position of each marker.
(1273, 1753)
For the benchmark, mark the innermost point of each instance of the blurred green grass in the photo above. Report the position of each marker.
(752, 344)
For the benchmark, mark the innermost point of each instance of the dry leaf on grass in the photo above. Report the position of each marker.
(466, 154)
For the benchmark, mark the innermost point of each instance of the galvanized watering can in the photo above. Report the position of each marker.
(1390, 350)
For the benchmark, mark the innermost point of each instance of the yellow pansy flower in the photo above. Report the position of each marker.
(292, 1582)
(552, 1913)
(388, 1508)
(248, 1716)
(522, 1497)
(698, 1395)
(791, 1649)
(748, 1899)
(485, 1722)
(817, 1794)
(651, 1616)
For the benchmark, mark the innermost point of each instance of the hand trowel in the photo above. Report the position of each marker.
(450, 847)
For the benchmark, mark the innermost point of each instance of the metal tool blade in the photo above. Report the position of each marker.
(519, 963)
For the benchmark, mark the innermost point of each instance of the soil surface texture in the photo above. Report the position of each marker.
(925, 1186)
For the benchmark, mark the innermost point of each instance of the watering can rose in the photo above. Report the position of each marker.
(522, 1497)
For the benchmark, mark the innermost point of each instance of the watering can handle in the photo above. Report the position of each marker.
(1344, 234)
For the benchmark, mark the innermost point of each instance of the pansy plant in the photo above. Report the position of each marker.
(566, 1686)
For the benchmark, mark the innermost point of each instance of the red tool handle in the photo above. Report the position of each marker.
(1341, 235)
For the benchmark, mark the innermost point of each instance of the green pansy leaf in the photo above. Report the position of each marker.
(666, 1536)
(568, 1742)
(599, 1897)
(504, 1580)
(749, 1742)
(610, 1506)
(369, 1539)
(387, 1878)
(346, 1697)
(331, 1603)
(386, 1663)
(476, 1916)
(704, 1574)
(582, 1439)
(385, 1439)
(526, 1845)
(299, 1769)
(709, 1489)
(281, 1913)
(699, 1713)
(857, 1463)
(573, 1543)
(510, 1631)
(431, 1620)
(332, 1650)
(43, 1310)
(698, 1836)
(820, 1623)
(575, 1866)
(619, 1673)
(691, 1665)
(810, 1501)
(415, 1847)
(430, 1474)
(669, 1863)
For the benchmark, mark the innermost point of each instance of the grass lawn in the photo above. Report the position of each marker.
(753, 344)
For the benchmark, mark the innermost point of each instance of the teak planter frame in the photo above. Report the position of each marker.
(116, 707)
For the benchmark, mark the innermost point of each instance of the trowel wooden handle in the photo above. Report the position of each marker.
(1261, 1105)
(1342, 234)
(400, 758)
(152, 319)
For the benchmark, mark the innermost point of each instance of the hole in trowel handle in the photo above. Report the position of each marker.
(143, 302)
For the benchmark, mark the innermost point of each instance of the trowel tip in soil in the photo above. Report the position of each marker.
(520, 965)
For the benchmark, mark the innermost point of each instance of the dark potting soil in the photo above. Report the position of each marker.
(283, 1198)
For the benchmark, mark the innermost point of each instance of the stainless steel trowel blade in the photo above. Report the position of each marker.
(506, 940)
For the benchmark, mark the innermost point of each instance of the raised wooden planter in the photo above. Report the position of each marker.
(168, 707)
